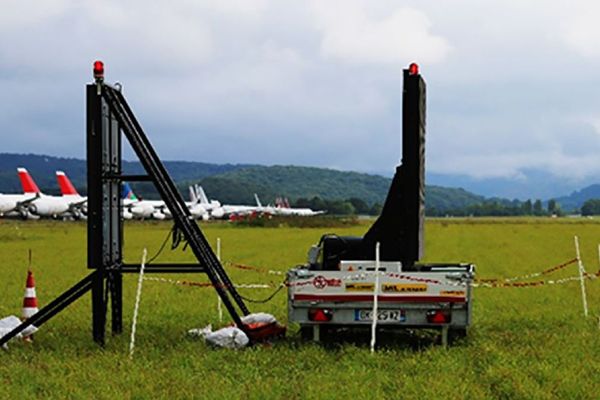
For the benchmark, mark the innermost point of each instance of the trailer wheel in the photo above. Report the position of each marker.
(306, 332)
(456, 335)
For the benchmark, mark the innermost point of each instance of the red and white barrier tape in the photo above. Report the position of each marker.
(478, 283)
(529, 276)
(208, 284)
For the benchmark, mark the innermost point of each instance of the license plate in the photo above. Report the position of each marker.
(382, 315)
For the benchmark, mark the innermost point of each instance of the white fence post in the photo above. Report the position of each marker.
(581, 277)
(375, 300)
(138, 297)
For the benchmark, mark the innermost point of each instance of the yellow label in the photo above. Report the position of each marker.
(360, 287)
(403, 287)
(460, 293)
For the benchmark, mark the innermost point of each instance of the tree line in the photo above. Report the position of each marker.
(353, 206)
(501, 208)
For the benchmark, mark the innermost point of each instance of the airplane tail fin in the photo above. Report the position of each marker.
(27, 182)
(257, 200)
(193, 195)
(66, 187)
(127, 192)
(202, 195)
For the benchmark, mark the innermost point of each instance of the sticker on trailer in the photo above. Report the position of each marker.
(403, 287)
(360, 287)
(460, 293)
(320, 282)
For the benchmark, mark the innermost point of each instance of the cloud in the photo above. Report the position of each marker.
(400, 35)
(582, 31)
(313, 83)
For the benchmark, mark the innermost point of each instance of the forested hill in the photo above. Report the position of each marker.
(235, 183)
(575, 200)
(43, 169)
(308, 182)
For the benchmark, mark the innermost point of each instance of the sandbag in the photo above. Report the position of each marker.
(230, 337)
(11, 322)
(258, 318)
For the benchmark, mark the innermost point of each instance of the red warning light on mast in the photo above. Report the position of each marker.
(98, 70)
(413, 69)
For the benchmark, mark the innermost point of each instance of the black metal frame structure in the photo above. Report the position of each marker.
(109, 117)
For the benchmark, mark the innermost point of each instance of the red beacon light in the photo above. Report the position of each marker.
(98, 71)
(413, 69)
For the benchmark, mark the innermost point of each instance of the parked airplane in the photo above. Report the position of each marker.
(69, 193)
(198, 193)
(283, 208)
(226, 210)
(157, 209)
(16, 204)
(46, 205)
(268, 209)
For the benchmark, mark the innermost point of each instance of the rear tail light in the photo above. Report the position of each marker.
(320, 315)
(439, 316)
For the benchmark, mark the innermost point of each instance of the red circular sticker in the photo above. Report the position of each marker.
(320, 282)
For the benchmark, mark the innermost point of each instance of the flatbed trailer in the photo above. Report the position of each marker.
(344, 275)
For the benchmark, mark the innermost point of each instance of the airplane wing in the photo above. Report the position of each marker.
(26, 202)
(21, 206)
(75, 207)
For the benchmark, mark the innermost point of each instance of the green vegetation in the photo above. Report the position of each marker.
(319, 221)
(295, 182)
(525, 343)
(338, 192)
(591, 207)
(500, 208)
(43, 168)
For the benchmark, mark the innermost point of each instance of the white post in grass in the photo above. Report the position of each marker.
(138, 296)
(375, 300)
(219, 301)
(581, 276)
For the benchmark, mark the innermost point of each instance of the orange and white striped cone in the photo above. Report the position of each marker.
(30, 303)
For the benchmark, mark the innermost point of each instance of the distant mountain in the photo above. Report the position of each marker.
(575, 200)
(43, 168)
(235, 183)
(530, 184)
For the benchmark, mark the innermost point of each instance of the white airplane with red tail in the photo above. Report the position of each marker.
(77, 202)
(16, 204)
(49, 206)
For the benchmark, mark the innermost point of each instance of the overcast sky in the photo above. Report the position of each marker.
(512, 85)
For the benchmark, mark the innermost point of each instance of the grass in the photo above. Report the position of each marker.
(525, 342)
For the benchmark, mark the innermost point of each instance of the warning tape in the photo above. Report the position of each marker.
(537, 283)
(253, 268)
(208, 284)
(477, 283)
(417, 279)
(529, 276)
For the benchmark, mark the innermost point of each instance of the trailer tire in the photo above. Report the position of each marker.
(456, 335)
(326, 331)
(306, 332)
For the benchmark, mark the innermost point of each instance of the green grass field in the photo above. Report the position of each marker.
(524, 343)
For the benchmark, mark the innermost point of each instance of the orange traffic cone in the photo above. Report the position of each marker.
(30, 304)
